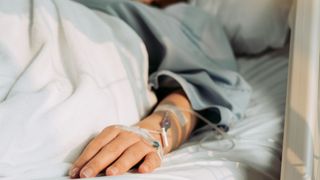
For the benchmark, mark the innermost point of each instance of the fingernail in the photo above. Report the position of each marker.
(87, 172)
(73, 172)
(113, 171)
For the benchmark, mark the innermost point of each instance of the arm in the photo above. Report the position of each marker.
(176, 134)
(117, 151)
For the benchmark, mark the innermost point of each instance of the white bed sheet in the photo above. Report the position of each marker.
(258, 137)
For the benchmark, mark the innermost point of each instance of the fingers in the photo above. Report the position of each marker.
(96, 144)
(108, 154)
(124, 149)
(129, 158)
(151, 162)
(93, 148)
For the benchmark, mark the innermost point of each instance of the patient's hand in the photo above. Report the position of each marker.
(116, 151)
(162, 3)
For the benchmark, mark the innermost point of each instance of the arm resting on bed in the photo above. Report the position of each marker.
(116, 150)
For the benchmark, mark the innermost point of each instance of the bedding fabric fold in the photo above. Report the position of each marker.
(67, 71)
(188, 49)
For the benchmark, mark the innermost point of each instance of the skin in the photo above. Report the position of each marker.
(115, 151)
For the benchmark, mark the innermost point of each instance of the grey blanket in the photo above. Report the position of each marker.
(187, 49)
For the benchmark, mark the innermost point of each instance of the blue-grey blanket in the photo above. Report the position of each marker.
(187, 49)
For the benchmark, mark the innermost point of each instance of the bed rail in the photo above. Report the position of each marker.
(301, 148)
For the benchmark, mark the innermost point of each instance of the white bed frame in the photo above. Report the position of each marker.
(301, 145)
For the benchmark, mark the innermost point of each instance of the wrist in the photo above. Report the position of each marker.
(153, 124)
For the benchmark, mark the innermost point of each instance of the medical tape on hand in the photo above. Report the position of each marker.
(175, 111)
(218, 134)
(145, 134)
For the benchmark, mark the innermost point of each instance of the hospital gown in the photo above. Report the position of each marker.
(187, 49)
(68, 70)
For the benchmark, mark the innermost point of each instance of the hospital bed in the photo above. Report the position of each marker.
(301, 146)
(258, 137)
(285, 85)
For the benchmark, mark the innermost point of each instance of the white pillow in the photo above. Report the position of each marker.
(251, 25)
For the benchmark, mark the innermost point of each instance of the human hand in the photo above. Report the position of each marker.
(115, 151)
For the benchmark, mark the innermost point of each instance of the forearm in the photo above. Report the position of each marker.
(177, 134)
(118, 150)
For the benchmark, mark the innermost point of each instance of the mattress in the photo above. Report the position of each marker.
(257, 137)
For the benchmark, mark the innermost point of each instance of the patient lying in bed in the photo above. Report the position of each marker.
(90, 80)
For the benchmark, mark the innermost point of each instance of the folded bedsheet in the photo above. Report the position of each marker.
(62, 80)
(257, 137)
(54, 99)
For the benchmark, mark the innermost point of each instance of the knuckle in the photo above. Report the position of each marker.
(84, 157)
(95, 143)
(147, 146)
(124, 165)
(144, 149)
(122, 138)
(135, 154)
(78, 163)
(148, 149)
(125, 136)
(132, 134)
(95, 164)
(110, 128)
(106, 130)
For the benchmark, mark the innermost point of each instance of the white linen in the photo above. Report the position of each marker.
(53, 96)
(47, 92)
(252, 26)
(258, 137)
